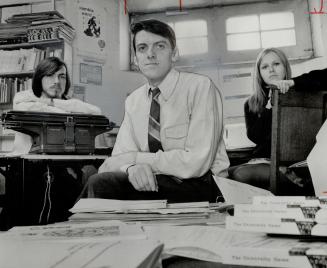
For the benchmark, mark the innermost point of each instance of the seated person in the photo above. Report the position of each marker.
(271, 66)
(49, 93)
(314, 80)
(170, 142)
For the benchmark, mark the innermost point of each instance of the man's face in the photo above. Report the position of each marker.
(154, 56)
(54, 85)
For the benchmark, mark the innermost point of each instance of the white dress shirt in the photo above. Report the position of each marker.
(191, 127)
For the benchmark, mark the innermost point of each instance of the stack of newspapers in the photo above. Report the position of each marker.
(284, 215)
(291, 232)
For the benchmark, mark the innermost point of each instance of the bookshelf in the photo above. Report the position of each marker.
(25, 40)
(19, 62)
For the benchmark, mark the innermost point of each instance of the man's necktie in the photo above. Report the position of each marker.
(154, 123)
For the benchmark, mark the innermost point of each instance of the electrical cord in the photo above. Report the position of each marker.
(47, 194)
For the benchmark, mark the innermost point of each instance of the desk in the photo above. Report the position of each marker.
(23, 180)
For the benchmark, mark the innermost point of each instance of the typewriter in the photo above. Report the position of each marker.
(54, 133)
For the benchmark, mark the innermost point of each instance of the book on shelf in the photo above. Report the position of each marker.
(282, 226)
(25, 60)
(298, 212)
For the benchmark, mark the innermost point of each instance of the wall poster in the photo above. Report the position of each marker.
(91, 30)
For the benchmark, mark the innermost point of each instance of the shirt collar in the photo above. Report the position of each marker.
(168, 85)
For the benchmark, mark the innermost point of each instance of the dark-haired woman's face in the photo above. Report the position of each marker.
(54, 85)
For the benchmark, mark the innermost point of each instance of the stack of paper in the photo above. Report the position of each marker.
(275, 252)
(138, 210)
(281, 215)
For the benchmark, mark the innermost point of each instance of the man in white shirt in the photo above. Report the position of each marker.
(170, 142)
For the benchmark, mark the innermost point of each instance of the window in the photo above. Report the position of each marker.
(191, 36)
(224, 35)
(260, 31)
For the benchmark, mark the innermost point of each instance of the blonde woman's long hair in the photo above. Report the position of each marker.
(259, 99)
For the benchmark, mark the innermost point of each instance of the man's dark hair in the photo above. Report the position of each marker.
(155, 27)
(48, 67)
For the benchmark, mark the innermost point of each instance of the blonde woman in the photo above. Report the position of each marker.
(271, 65)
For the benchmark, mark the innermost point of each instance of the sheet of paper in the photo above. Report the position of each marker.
(99, 204)
(97, 230)
(317, 163)
(47, 254)
(235, 192)
(198, 242)
(322, 133)
(235, 136)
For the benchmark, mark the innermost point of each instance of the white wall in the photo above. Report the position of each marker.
(116, 84)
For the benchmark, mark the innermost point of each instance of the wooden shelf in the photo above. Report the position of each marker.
(32, 44)
(19, 74)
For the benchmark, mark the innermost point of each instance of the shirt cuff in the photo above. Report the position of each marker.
(125, 167)
(146, 158)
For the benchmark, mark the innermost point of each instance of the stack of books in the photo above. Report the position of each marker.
(13, 33)
(34, 27)
(283, 215)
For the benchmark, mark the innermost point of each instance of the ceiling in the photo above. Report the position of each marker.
(148, 6)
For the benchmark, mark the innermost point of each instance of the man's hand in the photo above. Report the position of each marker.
(142, 178)
(114, 163)
(283, 85)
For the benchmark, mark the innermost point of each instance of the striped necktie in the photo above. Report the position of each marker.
(154, 123)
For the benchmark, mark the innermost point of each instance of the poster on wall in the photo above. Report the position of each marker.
(91, 30)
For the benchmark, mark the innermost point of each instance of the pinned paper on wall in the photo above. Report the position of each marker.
(91, 30)
(79, 92)
(90, 74)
